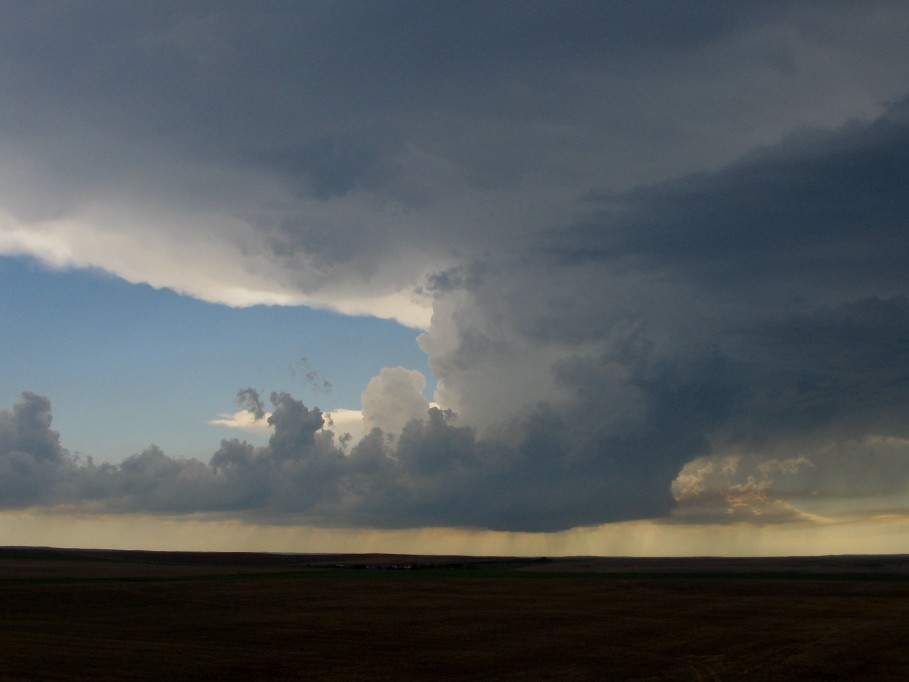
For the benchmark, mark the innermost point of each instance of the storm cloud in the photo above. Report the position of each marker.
(656, 253)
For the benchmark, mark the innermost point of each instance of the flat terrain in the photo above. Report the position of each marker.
(77, 614)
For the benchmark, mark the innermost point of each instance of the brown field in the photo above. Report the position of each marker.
(76, 614)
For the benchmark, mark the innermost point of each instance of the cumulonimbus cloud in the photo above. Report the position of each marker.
(633, 250)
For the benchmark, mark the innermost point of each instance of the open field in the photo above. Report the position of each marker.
(76, 614)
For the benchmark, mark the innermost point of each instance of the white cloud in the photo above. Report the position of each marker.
(394, 398)
(719, 488)
(221, 269)
(245, 420)
(345, 421)
(340, 421)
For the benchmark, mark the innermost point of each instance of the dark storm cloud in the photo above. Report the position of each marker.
(795, 264)
(328, 95)
(646, 287)
(342, 152)
(817, 211)
(761, 308)
(764, 359)
(301, 85)
(841, 370)
(782, 353)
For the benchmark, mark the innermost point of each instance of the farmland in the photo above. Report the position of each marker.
(79, 614)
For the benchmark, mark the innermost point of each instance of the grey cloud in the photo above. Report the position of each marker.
(834, 371)
(27, 429)
(295, 425)
(644, 387)
(874, 468)
(640, 448)
(335, 98)
(298, 467)
(818, 211)
(249, 400)
(152, 480)
(796, 480)
(637, 263)
(759, 307)
(30, 453)
(327, 167)
(451, 279)
(435, 473)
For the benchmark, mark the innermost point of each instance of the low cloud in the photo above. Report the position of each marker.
(32, 462)
(726, 490)
(434, 472)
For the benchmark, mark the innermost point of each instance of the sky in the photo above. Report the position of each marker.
(499, 278)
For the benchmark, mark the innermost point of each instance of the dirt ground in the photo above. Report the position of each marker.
(71, 614)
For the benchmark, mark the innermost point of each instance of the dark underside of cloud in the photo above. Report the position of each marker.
(758, 309)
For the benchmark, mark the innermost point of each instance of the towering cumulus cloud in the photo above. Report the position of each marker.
(656, 253)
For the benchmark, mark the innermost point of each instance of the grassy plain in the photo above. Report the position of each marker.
(76, 614)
